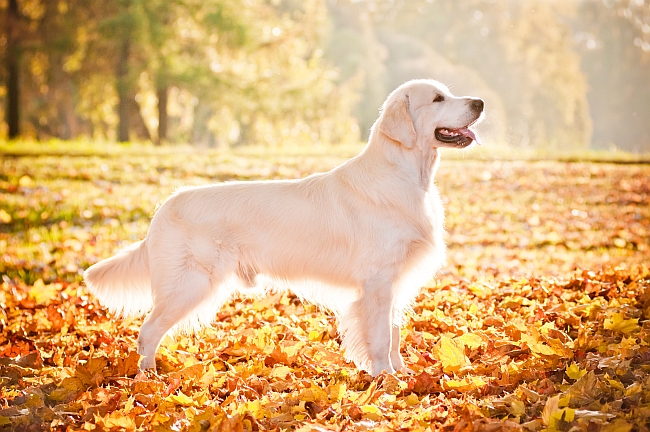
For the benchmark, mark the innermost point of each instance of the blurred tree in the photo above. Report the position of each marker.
(270, 84)
(566, 74)
(43, 40)
(292, 89)
(614, 41)
(217, 71)
(353, 45)
(637, 13)
(181, 36)
(12, 51)
(521, 49)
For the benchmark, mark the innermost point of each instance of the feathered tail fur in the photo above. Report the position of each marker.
(122, 282)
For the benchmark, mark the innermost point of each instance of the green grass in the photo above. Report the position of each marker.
(483, 152)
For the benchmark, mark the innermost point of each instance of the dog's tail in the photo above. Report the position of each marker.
(122, 282)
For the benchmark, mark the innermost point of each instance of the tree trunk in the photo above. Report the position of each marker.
(13, 84)
(163, 96)
(123, 92)
(136, 121)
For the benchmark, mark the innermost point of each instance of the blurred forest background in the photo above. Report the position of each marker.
(555, 74)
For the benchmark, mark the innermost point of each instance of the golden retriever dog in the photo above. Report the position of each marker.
(359, 240)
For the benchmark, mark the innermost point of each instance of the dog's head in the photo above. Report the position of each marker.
(425, 113)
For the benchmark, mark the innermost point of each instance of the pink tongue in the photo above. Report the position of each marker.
(469, 134)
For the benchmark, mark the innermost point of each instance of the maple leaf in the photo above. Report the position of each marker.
(574, 372)
(465, 384)
(618, 323)
(372, 412)
(586, 389)
(619, 425)
(115, 419)
(470, 340)
(180, 398)
(451, 354)
(555, 411)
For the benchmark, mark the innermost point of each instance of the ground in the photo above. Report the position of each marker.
(539, 320)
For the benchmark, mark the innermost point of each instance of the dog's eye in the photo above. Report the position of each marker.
(439, 98)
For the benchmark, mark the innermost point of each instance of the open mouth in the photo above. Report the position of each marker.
(460, 137)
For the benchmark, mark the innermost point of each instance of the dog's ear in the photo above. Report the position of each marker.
(396, 123)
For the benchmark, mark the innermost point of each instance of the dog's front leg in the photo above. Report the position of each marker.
(367, 327)
(396, 359)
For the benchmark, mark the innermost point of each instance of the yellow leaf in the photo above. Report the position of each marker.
(208, 377)
(528, 339)
(115, 419)
(254, 408)
(4, 421)
(569, 414)
(481, 291)
(629, 342)
(616, 322)
(412, 399)
(470, 340)
(180, 399)
(67, 388)
(261, 339)
(546, 327)
(440, 315)
(517, 408)
(313, 393)
(552, 413)
(543, 349)
(450, 354)
(315, 336)
(130, 402)
(616, 384)
(370, 409)
(465, 384)
(633, 389)
(371, 412)
(564, 400)
(336, 392)
(619, 425)
(574, 372)
(550, 408)
(280, 372)
(44, 294)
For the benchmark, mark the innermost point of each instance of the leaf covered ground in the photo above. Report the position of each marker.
(540, 319)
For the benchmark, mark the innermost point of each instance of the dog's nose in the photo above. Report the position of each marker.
(478, 105)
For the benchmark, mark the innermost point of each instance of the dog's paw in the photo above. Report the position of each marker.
(379, 368)
(397, 361)
(148, 362)
(407, 370)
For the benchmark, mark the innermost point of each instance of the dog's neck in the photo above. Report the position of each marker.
(429, 166)
(383, 155)
(419, 164)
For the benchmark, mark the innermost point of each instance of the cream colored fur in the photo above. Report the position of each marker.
(360, 239)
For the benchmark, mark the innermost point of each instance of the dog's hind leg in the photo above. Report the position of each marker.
(174, 301)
